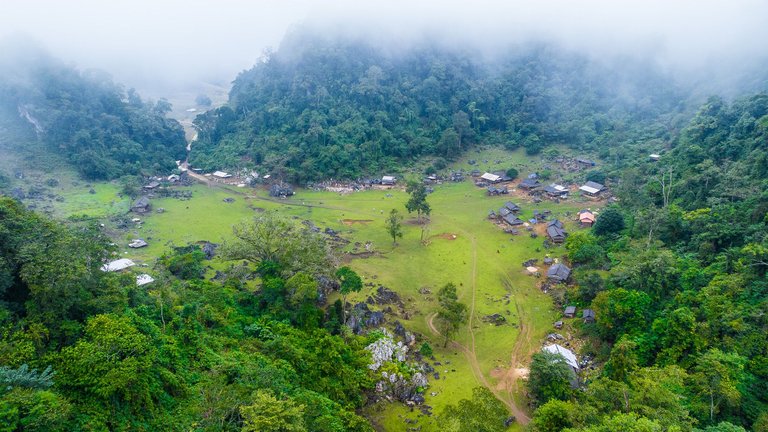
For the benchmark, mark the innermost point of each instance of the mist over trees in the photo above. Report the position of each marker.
(103, 130)
(342, 108)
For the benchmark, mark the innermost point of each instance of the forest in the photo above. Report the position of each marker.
(682, 306)
(101, 129)
(343, 108)
(84, 349)
(675, 269)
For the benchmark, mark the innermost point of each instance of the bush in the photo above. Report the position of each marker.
(512, 173)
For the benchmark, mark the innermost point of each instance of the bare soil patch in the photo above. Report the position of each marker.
(350, 222)
(446, 236)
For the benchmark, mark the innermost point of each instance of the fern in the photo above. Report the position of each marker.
(25, 377)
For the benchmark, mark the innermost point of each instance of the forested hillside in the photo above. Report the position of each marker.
(320, 108)
(102, 130)
(82, 349)
(681, 313)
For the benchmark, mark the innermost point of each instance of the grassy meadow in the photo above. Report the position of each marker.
(462, 247)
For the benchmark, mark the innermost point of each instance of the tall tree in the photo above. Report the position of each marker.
(394, 225)
(270, 238)
(452, 313)
(418, 202)
(550, 377)
(350, 282)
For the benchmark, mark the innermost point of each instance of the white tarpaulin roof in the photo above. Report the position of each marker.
(569, 356)
(117, 265)
(144, 279)
(221, 174)
(490, 177)
(589, 189)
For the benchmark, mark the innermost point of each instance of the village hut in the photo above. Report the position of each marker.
(141, 205)
(556, 231)
(558, 273)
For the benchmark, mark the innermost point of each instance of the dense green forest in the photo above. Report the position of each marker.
(334, 108)
(82, 349)
(102, 130)
(682, 313)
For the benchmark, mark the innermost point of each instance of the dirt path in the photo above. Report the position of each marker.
(510, 380)
(508, 386)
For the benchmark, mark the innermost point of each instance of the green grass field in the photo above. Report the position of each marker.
(464, 247)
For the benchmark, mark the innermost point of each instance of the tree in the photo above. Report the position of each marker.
(550, 377)
(512, 173)
(394, 225)
(596, 176)
(554, 416)
(418, 202)
(269, 414)
(610, 221)
(350, 282)
(270, 238)
(203, 100)
(623, 359)
(717, 376)
(452, 313)
(482, 413)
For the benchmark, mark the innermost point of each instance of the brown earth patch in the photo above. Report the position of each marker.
(348, 257)
(350, 222)
(446, 236)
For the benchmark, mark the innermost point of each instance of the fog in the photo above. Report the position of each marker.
(172, 43)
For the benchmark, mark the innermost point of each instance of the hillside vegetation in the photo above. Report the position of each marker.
(681, 313)
(101, 129)
(332, 108)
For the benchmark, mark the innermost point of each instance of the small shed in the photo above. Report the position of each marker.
(567, 354)
(144, 279)
(588, 315)
(654, 157)
(117, 265)
(592, 188)
(492, 178)
(141, 205)
(558, 325)
(556, 190)
(388, 180)
(559, 272)
(152, 185)
(137, 243)
(513, 220)
(221, 175)
(529, 183)
(556, 231)
(586, 218)
(585, 161)
(570, 312)
(512, 206)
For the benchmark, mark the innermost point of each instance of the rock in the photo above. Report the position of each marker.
(495, 319)
(209, 249)
(399, 329)
(375, 319)
(436, 375)
(229, 200)
(385, 296)
(508, 422)
(418, 399)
